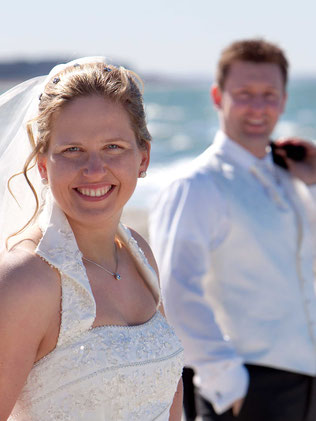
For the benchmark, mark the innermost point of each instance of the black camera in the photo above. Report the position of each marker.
(295, 152)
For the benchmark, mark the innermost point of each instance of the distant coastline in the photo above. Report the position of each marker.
(18, 70)
(22, 69)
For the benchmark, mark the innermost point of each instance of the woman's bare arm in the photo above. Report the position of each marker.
(28, 300)
(177, 404)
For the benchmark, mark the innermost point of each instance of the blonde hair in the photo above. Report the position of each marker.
(116, 84)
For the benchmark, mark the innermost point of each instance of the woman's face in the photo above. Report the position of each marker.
(93, 160)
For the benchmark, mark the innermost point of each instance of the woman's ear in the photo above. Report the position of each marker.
(41, 165)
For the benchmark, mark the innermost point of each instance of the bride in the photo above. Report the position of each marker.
(82, 337)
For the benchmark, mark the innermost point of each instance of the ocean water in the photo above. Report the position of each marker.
(183, 122)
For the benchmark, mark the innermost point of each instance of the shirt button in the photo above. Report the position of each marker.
(218, 395)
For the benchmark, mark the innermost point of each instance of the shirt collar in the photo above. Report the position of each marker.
(236, 153)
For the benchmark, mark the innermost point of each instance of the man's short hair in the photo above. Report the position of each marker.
(253, 50)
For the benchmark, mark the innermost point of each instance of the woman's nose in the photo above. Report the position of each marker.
(94, 165)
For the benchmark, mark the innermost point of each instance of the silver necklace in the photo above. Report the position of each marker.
(115, 274)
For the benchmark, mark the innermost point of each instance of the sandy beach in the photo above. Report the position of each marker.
(136, 218)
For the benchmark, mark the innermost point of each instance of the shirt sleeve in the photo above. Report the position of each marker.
(188, 221)
(312, 190)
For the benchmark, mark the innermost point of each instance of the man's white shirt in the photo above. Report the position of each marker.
(190, 220)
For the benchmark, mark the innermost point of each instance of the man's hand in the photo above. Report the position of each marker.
(237, 405)
(305, 169)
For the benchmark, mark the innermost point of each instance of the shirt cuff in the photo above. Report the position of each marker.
(229, 387)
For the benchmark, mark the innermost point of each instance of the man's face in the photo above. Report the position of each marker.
(251, 103)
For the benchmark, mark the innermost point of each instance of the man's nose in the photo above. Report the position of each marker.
(258, 103)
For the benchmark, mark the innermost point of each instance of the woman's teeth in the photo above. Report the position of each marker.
(94, 192)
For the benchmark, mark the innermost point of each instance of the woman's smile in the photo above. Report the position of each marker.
(93, 160)
(94, 193)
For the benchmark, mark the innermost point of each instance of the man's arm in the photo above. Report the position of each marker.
(188, 221)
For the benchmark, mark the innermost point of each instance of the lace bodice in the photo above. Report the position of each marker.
(120, 373)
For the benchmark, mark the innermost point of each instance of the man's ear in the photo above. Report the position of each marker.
(216, 95)
(145, 157)
(41, 165)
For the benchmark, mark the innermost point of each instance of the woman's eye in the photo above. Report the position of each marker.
(113, 146)
(72, 149)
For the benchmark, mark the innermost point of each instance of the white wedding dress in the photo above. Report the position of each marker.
(108, 373)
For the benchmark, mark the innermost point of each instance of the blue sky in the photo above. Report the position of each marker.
(178, 37)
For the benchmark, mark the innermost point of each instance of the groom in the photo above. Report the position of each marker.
(233, 238)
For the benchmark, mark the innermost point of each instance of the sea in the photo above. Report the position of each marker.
(182, 122)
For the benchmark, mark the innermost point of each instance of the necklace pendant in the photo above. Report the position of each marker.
(117, 276)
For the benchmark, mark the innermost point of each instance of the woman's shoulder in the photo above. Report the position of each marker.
(30, 294)
(23, 273)
(145, 247)
(29, 303)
